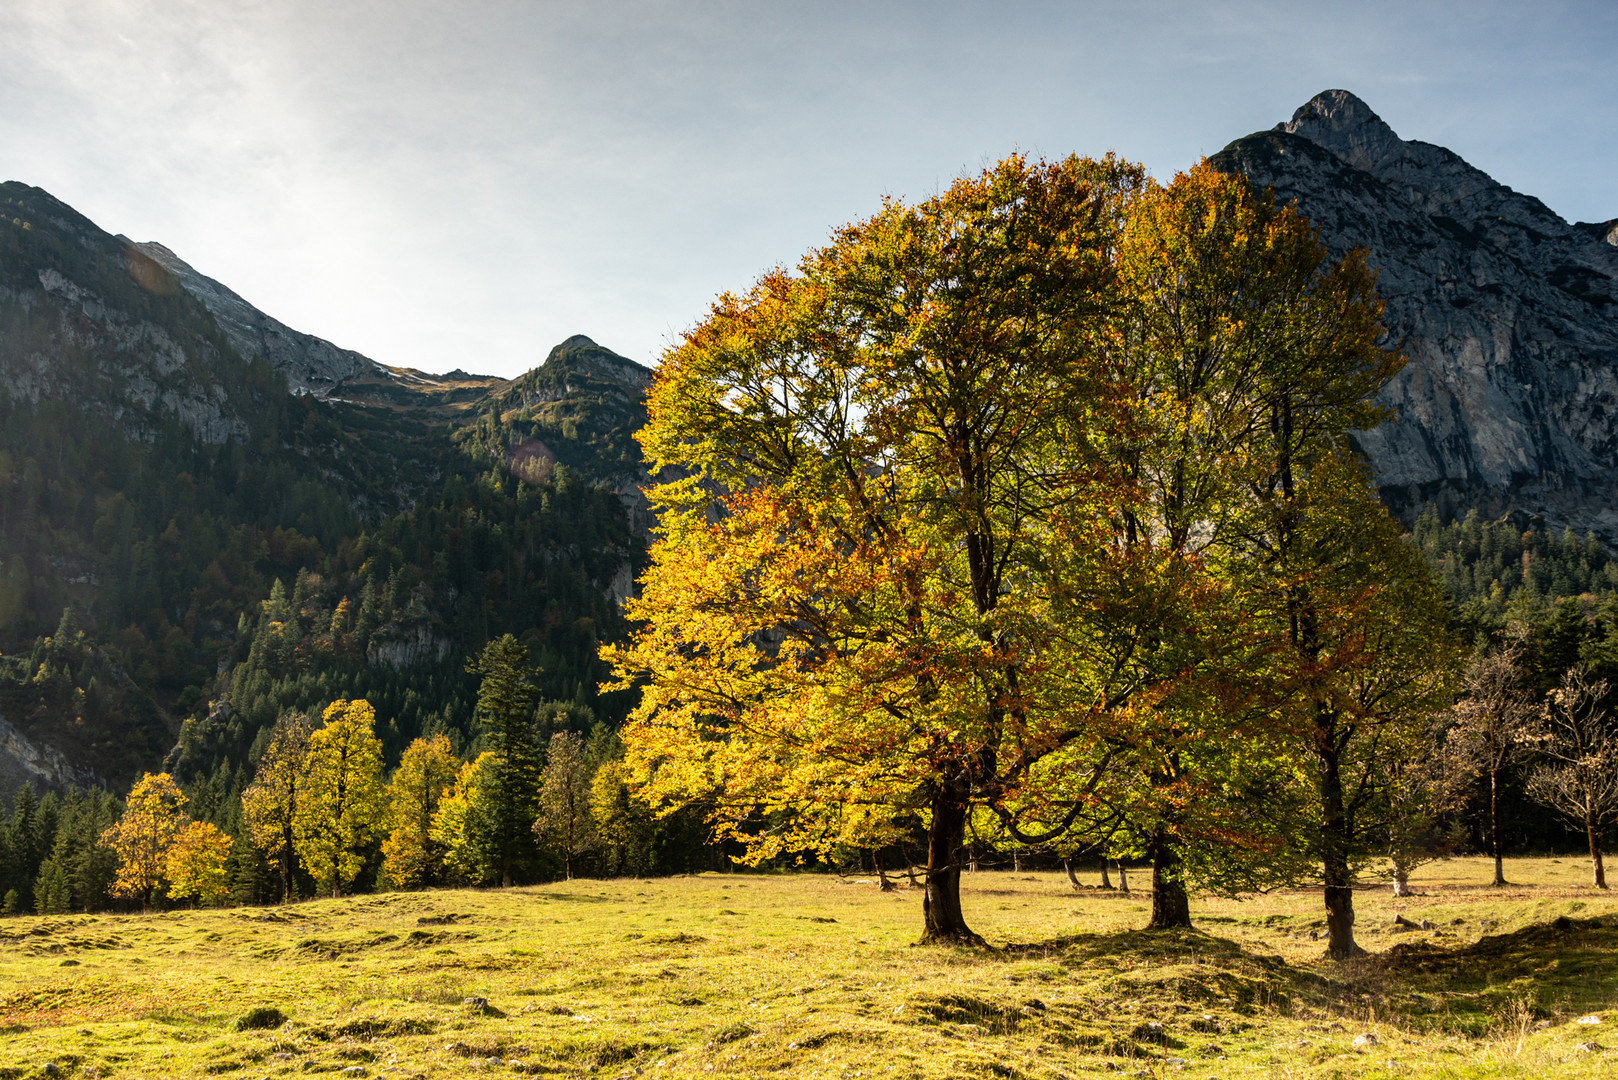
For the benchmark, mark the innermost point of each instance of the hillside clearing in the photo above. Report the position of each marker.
(808, 975)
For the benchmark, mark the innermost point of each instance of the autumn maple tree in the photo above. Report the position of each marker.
(971, 516)
(143, 837)
(196, 862)
(342, 803)
(411, 856)
(270, 802)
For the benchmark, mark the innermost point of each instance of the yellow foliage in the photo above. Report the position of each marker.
(196, 862)
(342, 805)
(461, 826)
(412, 858)
(152, 819)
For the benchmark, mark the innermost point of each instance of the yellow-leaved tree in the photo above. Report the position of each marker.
(196, 862)
(153, 817)
(844, 620)
(270, 802)
(465, 826)
(412, 858)
(967, 512)
(342, 806)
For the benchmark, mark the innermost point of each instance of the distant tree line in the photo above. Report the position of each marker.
(538, 794)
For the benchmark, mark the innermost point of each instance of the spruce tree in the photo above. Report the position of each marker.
(505, 711)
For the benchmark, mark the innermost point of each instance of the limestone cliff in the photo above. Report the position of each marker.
(1507, 313)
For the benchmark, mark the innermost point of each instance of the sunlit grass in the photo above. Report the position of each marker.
(809, 975)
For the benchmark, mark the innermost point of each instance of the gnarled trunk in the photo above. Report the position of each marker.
(941, 903)
(1171, 907)
(1334, 844)
(1106, 882)
(1401, 879)
(1123, 876)
(1071, 876)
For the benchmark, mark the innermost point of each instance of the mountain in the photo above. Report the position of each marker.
(1507, 313)
(208, 518)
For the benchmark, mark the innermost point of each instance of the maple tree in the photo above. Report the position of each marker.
(463, 825)
(342, 804)
(195, 864)
(1488, 732)
(1368, 664)
(839, 615)
(564, 799)
(412, 857)
(153, 816)
(270, 802)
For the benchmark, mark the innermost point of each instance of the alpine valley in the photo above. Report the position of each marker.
(208, 518)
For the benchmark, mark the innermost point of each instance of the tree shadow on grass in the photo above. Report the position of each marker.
(1559, 968)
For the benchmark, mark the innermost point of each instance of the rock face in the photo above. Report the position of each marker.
(1507, 313)
(88, 318)
(311, 365)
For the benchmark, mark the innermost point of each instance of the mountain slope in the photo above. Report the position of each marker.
(190, 546)
(1508, 315)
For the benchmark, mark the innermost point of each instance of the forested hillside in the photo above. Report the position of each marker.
(187, 549)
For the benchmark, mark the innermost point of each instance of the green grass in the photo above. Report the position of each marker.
(806, 976)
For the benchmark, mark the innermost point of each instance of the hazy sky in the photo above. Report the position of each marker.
(465, 184)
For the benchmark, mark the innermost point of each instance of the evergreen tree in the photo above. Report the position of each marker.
(506, 712)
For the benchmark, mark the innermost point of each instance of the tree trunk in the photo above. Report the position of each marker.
(910, 868)
(1594, 835)
(1334, 844)
(881, 875)
(1106, 882)
(1494, 827)
(1071, 876)
(1401, 879)
(286, 864)
(1171, 908)
(1016, 861)
(941, 903)
(1123, 876)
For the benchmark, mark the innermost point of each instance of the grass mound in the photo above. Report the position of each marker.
(260, 1018)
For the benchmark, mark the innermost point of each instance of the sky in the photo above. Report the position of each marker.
(464, 185)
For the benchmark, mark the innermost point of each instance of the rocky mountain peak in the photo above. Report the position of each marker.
(1508, 317)
(1345, 125)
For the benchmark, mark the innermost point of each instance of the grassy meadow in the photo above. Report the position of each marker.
(812, 976)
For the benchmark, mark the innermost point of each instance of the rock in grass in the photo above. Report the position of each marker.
(1364, 1040)
(1590, 1047)
(259, 1018)
(1591, 1019)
